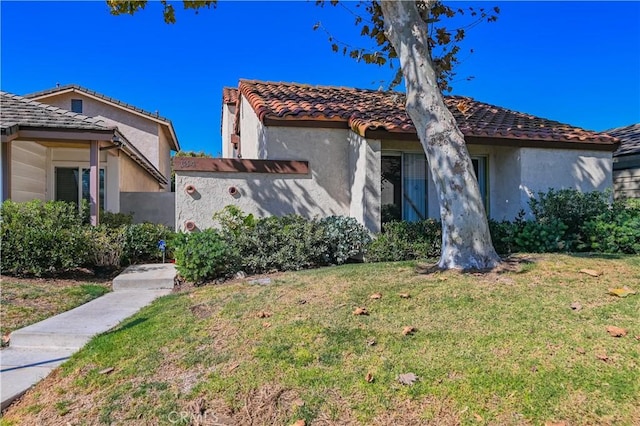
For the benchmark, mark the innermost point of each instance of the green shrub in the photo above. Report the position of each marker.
(106, 247)
(345, 238)
(42, 237)
(141, 242)
(571, 207)
(202, 256)
(406, 241)
(281, 243)
(115, 220)
(616, 230)
(542, 237)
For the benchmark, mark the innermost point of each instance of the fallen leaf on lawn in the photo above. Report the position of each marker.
(368, 378)
(360, 311)
(555, 423)
(407, 378)
(233, 367)
(263, 314)
(266, 324)
(621, 292)
(576, 306)
(371, 342)
(298, 403)
(581, 351)
(591, 272)
(375, 296)
(408, 330)
(300, 422)
(616, 331)
(602, 357)
(301, 302)
(478, 417)
(405, 295)
(106, 370)
(638, 337)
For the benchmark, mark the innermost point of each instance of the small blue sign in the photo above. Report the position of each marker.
(162, 245)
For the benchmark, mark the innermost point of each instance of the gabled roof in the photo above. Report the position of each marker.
(629, 139)
(229, 95)
(18, 114)
(26, 113)
(91, 93)
(382, 114)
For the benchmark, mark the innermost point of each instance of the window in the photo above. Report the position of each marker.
(76, 105)
(480, 167)
(404, 187)
(69, 188)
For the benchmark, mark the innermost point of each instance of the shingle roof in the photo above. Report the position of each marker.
(78, 88)
(368, 110)
(629, 139)
(97, 95)
(26, 113)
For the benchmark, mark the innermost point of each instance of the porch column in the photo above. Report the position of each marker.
(94, 182)
(5, 165)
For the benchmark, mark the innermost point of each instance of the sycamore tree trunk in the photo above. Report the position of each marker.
(466, 242)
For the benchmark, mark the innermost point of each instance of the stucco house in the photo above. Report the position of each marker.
(53, 140)
(318, 151)
(626, 162)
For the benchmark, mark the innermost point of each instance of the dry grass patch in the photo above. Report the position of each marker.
(503, 347)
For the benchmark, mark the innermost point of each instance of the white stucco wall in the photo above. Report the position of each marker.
(365, 181)
(228, 116)
(261, 194)
(542, 169)
(29, 171)
(252, 141)
(140, 131)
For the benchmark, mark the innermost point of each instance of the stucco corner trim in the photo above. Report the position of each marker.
(235, 165)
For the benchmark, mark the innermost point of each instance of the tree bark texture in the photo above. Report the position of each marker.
(466, 241)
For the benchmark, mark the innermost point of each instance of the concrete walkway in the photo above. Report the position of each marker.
(39, 348)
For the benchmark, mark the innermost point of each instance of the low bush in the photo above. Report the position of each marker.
(41, 238)
(542, 237)
(345, 238)
(571, 207)
(406, 241)
(115, 220)
(616, 230)
(141, 242)
(106, 246)
(202, 256)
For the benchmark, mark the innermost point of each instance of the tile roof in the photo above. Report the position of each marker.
(629, 139)
(229, 95)
(369, 110)
(23, 112)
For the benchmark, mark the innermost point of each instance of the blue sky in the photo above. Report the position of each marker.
(575, 62)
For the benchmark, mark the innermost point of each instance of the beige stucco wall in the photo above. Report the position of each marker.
(165, 157)
(134, 178)
(140, 131)
(28, 171)
(252, 137)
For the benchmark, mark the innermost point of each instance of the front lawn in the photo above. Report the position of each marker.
(27, 301)
(528, 345)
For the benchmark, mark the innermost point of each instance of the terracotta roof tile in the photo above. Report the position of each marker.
(369, 110)
(629, 139)
(229, 95)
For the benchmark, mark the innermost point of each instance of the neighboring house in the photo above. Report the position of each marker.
(318, 151)
(626, 162)
(48, 151)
